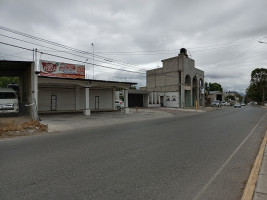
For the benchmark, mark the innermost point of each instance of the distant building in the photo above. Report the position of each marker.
(177, 84)
(216, 95)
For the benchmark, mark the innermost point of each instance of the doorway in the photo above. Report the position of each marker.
(187, 98)
(96, 102)
(53, 102)
(161, 101)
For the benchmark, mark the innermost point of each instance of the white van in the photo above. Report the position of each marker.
(8, 101)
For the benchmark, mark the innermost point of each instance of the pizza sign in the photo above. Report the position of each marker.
(63, 70)
(49, 67)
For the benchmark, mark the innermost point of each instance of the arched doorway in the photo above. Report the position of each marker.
(187, 91)
(201, 92)
(195, 86)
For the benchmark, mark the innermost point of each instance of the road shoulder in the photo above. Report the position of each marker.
(258, 177)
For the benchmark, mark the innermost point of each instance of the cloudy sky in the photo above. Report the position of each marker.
(221, 36)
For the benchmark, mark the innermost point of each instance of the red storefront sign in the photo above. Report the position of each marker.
(63, 70)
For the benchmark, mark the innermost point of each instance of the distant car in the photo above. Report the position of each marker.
(216, 103)
(237, 105)
(243, 104)
(119, 104)
(224, 103)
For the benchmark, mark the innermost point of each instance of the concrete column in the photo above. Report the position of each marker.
(113, 98)
(191, 93)
(87, 103)
(152, 97)
(182, 96)
(146, 100)
(159, 98)
(34, 91)
(198, 103)
(126, 109)
(77, 98)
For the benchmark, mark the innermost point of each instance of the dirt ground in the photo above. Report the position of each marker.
(12, 126)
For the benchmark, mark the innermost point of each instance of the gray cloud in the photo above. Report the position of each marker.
(138, 26)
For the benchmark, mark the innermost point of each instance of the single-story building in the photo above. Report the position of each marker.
(65, 94)
(53, 89)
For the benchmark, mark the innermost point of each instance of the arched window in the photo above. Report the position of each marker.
(187, 80)
(201, 85)
(195, 81)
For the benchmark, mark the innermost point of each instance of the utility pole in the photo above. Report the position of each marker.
(93, 61)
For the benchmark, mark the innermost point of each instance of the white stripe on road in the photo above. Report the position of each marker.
(226, 162)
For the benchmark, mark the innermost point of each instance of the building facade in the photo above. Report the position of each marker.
(78, 95)
(177, 84)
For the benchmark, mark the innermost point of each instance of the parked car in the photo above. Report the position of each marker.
(237, 105)
(243, 104)
(216, 103)
(8, 101)
(224, 103)
(119, 104)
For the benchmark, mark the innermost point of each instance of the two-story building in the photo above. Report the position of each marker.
(177, 84)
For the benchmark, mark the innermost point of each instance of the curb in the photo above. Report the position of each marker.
(251, 184)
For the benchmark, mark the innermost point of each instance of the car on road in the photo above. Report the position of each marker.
(216, 103)
(224, 103)
(8, 101)
(119, 104)
(237, 105)
(243, 104)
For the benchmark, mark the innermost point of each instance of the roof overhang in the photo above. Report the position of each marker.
(44, 81)
(13, 68)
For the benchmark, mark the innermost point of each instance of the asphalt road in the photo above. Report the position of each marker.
(202, 156)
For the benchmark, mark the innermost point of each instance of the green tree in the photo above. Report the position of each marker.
(4, 81)
(257, 89)
(213, 87)
(132, 88)
(230, 97)
(240, 97)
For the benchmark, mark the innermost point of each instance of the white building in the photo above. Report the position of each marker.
(74, 95)
(39, 94)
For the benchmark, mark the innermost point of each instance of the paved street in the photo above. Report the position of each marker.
(201, 156)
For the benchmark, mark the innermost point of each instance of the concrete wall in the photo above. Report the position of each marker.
(165, 99)
(105, 98)
(67, 98)
(171, 100)
(162, 80)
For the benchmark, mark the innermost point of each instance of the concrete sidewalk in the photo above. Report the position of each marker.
(260, 192)
(71, 121)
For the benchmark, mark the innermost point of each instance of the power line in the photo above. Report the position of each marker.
(57, 44)
(56, 50)
(70, 58)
